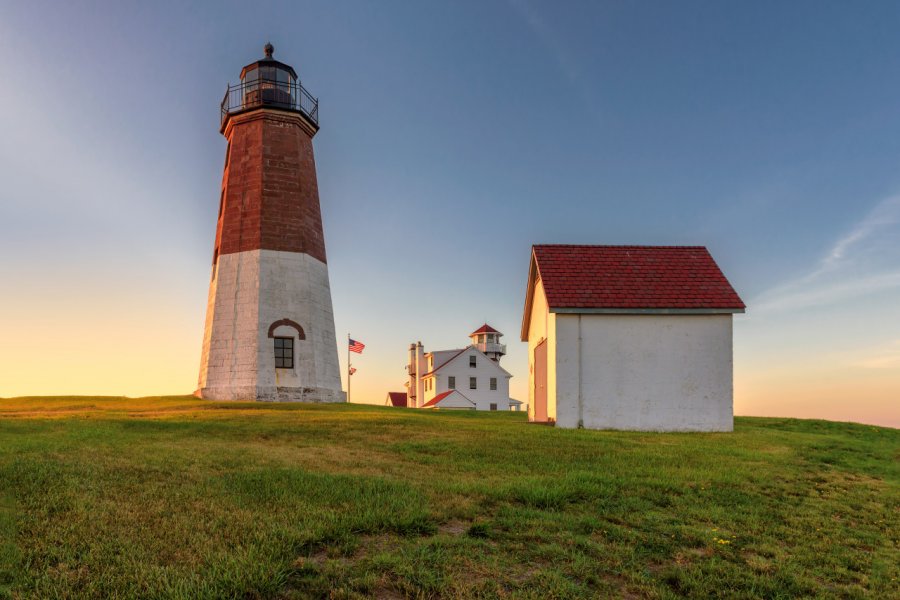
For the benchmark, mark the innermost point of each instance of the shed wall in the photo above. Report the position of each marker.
(643, 372)
(542, 326)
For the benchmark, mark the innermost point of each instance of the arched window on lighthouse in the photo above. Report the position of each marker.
(283, 344)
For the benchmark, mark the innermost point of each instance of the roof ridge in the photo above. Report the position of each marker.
(448, 361)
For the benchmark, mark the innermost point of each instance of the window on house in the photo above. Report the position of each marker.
(284, 353)
(493, 383)
(472, 361)
(473, 383)
(451, 382)
(493, 406)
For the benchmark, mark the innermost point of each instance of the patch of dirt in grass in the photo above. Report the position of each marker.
(374, 544)
(620, 585)
(689, 555)
(386, 593)
(758, 563)
(453, 528)
(368, 546)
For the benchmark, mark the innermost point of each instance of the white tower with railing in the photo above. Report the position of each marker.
(487, 339)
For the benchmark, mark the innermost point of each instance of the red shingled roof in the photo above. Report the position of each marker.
(633, 277)
(437, 399)
(397, 398)
(484, 329)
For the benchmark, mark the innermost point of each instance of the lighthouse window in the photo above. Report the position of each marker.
(472, 360)
(451, 382)
(284, 353)
(473, 383)
(493, 383)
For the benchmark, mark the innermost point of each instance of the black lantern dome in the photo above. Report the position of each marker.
(269, 69)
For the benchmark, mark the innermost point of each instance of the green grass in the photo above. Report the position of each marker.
(180, 498)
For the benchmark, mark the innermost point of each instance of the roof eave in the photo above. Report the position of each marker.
(533, 276)
(645, 311)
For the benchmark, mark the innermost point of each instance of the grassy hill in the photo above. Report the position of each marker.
(174, 497)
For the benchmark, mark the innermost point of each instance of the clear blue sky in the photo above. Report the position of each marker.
(455, 135)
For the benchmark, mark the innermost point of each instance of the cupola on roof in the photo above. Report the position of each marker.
(485, 329)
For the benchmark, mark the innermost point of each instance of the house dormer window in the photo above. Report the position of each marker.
(472, 360)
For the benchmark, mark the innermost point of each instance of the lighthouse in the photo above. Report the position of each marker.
(269, 331)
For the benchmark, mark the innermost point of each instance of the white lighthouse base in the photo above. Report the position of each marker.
(254, 297)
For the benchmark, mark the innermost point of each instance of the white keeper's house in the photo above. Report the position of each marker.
(469, 378)
(629, 337)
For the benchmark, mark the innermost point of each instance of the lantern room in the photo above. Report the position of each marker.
(268, 83)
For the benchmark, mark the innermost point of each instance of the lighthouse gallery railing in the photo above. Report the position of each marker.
(265, 92)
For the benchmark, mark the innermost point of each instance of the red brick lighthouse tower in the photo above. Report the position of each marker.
(269, 322)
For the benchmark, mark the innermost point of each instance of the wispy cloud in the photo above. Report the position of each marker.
(554, 44)
(548, 38)
(883, 357)
(864, 260)
(883, 217)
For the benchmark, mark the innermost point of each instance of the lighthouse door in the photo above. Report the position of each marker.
(540, 382)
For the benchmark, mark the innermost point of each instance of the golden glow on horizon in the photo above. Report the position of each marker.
(79, 349)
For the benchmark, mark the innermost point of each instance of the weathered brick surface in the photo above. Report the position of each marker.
(271, 196)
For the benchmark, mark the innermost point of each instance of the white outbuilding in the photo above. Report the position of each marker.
(629, 337)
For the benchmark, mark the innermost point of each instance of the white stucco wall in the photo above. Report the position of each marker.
(251, 291)
(644, 372)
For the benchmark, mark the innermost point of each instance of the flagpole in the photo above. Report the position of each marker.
(348, 368)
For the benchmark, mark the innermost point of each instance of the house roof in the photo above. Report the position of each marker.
(397, 398)
(446, 362)
(629, 279)
(458, 354)
(485, 329)
(437, 399)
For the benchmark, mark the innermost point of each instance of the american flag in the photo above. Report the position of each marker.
(356, 346)
(352, 370)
